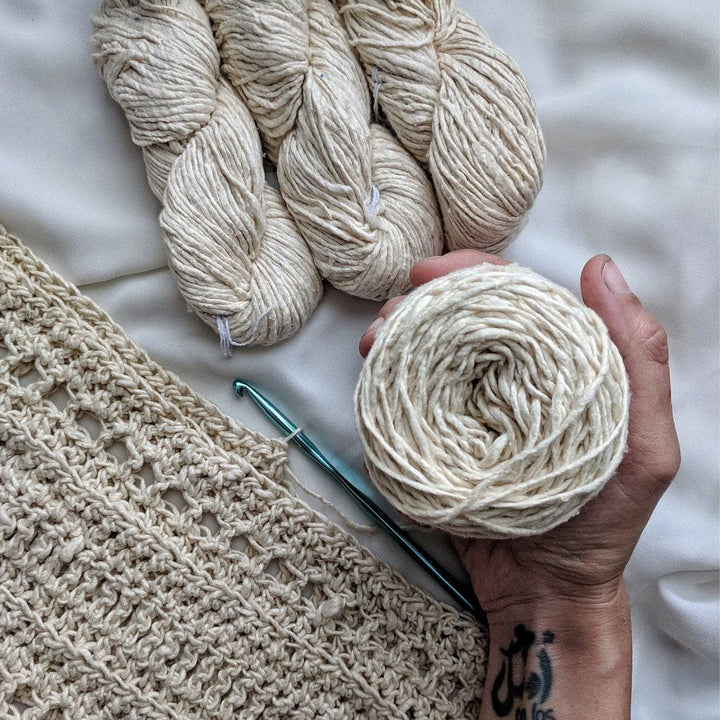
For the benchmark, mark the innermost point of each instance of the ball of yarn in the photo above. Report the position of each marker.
(232, 246)
(492, 404)
(363, 204)
(460, 105)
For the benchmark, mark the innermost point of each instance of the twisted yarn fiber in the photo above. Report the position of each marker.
(492, 404)
(153, 563)
(460, 105)
(363, 204)
(232, 246)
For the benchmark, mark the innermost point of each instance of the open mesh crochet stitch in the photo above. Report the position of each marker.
(154, 564)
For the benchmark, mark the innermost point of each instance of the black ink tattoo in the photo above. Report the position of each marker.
(533, 685)
(520, 646)
(546, 670)
(537, 687)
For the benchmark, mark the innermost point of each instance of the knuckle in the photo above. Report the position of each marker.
(665, 469)
(672, 464)
(653, 341)
(657, 459)
(390, 306)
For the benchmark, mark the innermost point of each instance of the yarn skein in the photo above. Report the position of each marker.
(460, 105)
(236, 254)
(364, 206)
(492, 404)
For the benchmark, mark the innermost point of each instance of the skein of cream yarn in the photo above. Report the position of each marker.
(364, 206)
(233, 248)
(492, 404)
(460, 105)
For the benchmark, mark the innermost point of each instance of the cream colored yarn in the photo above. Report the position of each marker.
(492, 404)
(153, 563)
(460, 105)
(360, 200)
(235, 252)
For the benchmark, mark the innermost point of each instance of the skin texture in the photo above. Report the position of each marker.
(569, 581)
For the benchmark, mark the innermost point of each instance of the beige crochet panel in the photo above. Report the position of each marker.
(154, 564)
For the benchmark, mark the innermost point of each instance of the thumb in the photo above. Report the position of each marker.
(653, 453)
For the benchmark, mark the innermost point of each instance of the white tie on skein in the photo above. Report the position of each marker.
(362, 202)
(226, 341)
(460, 105)
(232, 246)
(492, 404)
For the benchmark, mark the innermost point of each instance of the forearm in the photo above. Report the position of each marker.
(559, 660)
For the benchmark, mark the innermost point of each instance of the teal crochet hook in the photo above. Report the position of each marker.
(462, 593)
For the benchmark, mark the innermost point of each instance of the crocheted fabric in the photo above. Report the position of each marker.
(154, 564)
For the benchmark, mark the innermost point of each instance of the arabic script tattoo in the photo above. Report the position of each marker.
(511, 684)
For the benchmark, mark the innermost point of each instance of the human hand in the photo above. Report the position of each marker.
(574, 572)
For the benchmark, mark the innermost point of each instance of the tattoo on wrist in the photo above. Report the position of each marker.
(516, 690)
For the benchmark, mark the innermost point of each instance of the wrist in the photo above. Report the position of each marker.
(554, 658)
(586, 619)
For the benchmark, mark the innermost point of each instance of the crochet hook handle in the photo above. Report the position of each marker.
(462, 594)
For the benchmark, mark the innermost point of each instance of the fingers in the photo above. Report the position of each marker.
(435, 267)
(653, 451)
(368, 338)
(421, 273)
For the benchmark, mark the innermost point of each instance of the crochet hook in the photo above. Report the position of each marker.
(462, 593)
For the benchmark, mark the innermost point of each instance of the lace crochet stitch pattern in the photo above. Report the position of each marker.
(154, 564)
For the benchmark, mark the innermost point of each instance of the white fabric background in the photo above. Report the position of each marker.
(627, 95)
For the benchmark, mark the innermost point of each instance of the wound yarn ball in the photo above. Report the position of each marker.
(492, 404)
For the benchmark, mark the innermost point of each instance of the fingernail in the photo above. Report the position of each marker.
(614, 280)
(374, 325)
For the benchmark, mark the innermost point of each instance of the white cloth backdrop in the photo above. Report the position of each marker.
(627, 96)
